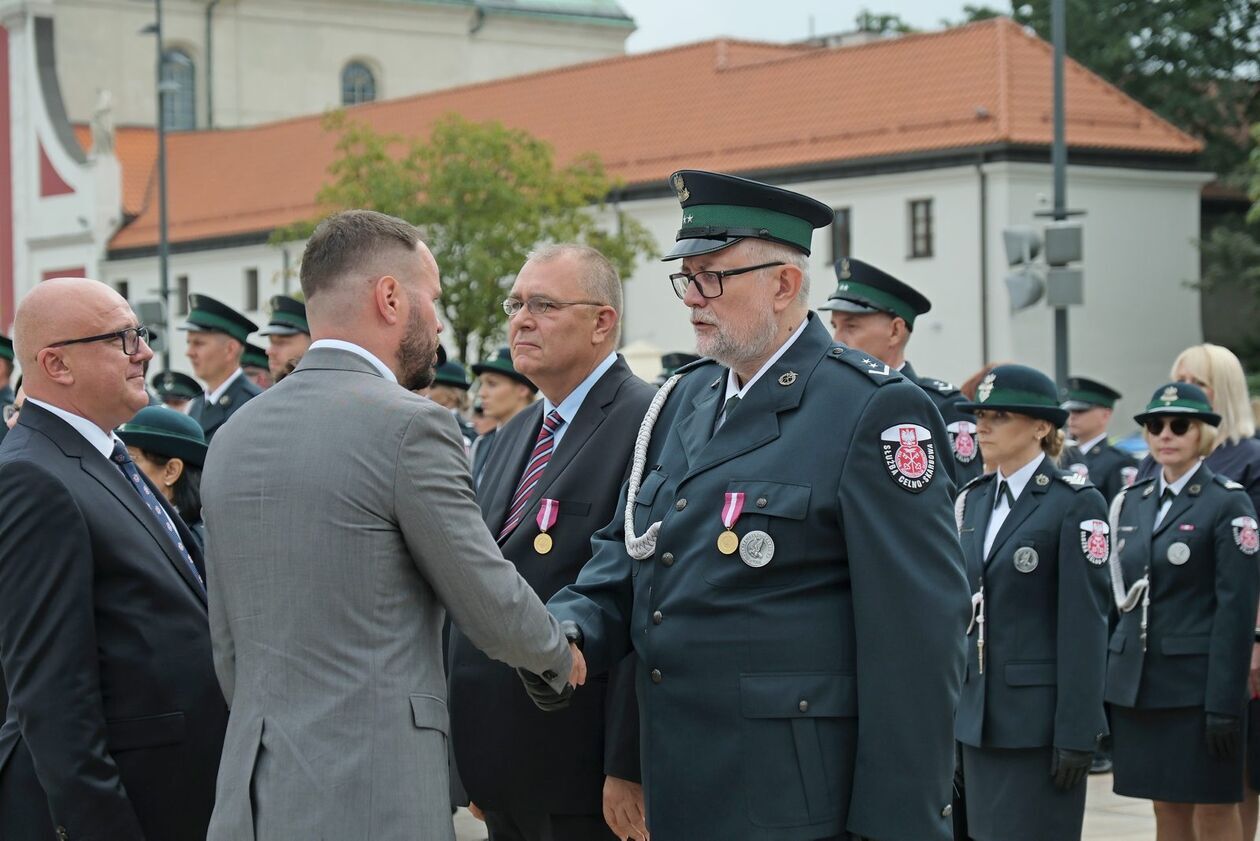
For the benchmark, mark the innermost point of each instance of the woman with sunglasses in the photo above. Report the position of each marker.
(1185, 580)
(1035, 541)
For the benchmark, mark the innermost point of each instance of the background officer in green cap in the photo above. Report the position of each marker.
(450, 389)
(288, 335)
(216, 339)
(1036, 542)
(502, 391)
(174, 389)
(6, 374)
(255, 365)
(874, 312)
(170, 448)
(1089, 404)
(787, 560)
(670, 363)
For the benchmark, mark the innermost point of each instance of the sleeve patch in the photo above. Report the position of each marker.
(909, 455)
(1094, 541)
(1245, 534)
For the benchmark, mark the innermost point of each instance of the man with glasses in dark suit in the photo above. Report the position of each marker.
(115, 720)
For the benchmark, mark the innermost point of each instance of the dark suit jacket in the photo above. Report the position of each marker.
(1202, 610)
(511, 755)
(115, 720)
(211, 418)
(1046, 629)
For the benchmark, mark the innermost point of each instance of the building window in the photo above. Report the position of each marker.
(842, 234)
(357, 84)
(251, 290)
(123, 288)
(921, 228)
(181, 294)
(179, 91)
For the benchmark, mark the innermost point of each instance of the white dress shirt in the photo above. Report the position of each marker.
(339, 344)
(212, 397)
(1176, 487)
(1017, 482)
(101, 441)
(732, 382)
(570, 405)
(1089, 445)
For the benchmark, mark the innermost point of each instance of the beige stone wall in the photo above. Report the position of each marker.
(280, 58)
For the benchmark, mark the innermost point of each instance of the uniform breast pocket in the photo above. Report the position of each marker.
(1033, 554)
(1182, 545)
(645, 502)
(770, 534)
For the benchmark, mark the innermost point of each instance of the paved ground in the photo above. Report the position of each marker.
(1107, 817)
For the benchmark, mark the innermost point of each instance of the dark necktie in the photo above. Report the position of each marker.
(1004, 492)
(1167, 496)
(727, 408)
(538, 459)
(128, 467)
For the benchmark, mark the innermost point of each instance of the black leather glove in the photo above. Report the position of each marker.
(541, 693)
(1223, 734)
(1069, 767)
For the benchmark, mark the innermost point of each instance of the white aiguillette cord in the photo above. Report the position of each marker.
(977, 599)
(1141, 589)
(641, 548)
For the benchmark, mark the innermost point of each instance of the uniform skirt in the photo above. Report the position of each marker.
(1163, 755)
(1010, 794)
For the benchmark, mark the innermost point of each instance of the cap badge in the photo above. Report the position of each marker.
(788, 378)
(1169, 395)
(168, 381)
(986, 387)
(680, 187)
(845, 274)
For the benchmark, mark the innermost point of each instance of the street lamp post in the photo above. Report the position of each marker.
(162, 88)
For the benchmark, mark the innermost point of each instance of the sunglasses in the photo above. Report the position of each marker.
(1179, 426)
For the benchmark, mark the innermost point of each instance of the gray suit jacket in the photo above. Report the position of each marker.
(341, 520)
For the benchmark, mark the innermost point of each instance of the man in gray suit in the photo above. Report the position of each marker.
(341, 521)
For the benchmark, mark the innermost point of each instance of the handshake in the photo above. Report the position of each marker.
(540, 692)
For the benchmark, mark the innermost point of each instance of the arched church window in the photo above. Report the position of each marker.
(179, 91)
(357, 84)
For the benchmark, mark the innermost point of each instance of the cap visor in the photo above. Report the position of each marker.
(196, 328)
(1210, 418)
(278, 330)
(842, 305)
(1076, 406)
(696, 247)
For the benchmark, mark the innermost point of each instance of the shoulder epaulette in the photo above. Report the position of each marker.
(946, 388)
(1074, 480)
(979, 480)
(867, 364)
(1230, 484)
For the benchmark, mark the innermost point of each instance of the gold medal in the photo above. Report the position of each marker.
(728, 542)
(542, 543)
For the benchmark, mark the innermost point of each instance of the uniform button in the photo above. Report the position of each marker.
(657, 617)
(549, 675)
(656, 675)
(668, 559)
(947, 811)
(803, 706)
(761, 502)
(680, 505)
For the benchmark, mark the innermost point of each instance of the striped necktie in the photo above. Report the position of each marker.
(533, 472)
(122, 458)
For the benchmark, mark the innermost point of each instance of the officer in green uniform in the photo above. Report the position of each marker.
(1089, 404)
(216, 337)
(787, 568)
(504, 392)
(874, 312)
(1036, 543)
(288, 335)
(670, 363)
(254, 364)
(175, 390)
(450, 388)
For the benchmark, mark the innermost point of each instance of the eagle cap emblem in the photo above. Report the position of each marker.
(845, 274)
(680, 187)
(986, 387)
(1170, 394)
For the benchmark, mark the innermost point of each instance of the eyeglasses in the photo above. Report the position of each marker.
(1179, 426)
(11, 411)
(709, 284)
(542, 306)
(131, 338)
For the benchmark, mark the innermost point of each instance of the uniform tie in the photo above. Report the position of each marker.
(1166, 498)
(1004, 492)
(122, 458)
(533, 472)
(727, 408)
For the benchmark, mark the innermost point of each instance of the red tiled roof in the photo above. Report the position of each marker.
(136, 148)
(722, 105)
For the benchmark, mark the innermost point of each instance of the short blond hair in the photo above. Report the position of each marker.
(1219, 369)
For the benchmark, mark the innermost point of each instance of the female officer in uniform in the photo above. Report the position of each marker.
(170, 449)
(1036, 544)
(1185, 580)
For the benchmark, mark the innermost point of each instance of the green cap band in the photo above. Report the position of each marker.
(213, 322)
(878, 298)
(1015, 397)
(779, 226)
(132, 428)
(6, 353)
(1094, 397)
(1158, 406)
(290, 319)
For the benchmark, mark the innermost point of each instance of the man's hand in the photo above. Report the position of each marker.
(577, 673)
(1223, 733)
(476, 812)
(1069, 767)
(623, 809)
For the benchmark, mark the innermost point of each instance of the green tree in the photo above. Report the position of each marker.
(881, 24)
(483, 195)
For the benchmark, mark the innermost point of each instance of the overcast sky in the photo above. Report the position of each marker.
(664, 23)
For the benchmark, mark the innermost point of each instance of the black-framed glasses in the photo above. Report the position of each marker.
(131, 339)
(709, 284)
(1179, 426)
(542, 306)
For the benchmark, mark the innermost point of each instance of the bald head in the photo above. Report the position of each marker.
(95, 380)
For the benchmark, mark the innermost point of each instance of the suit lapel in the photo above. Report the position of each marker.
(755, 422)
(516, 446)
(1024, 506)
(983, 498)
(590, 415)
(695, 430)
(1181, 502)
